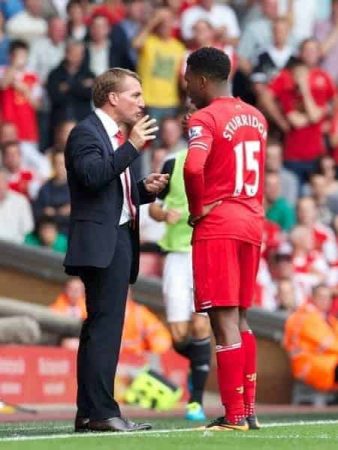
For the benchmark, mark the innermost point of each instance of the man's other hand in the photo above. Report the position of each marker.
(156, 182)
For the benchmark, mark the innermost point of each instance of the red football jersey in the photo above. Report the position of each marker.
(225, 161)
(304, 143)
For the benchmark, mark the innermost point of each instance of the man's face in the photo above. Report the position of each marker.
(99, 29)
(128, 101)
(196, 88)
(310, 54)
(57, 30)
(12, 158)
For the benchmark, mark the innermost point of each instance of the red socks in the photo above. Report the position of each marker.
(249, 350)
(230, 366)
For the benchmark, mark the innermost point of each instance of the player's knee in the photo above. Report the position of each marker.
(200, 326)
(179, 333)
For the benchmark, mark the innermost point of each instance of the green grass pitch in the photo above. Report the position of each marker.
(311, 432)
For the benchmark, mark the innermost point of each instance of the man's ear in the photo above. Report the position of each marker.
(113, 98)
(203, 81)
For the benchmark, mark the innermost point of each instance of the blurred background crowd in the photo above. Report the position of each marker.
(284, 57)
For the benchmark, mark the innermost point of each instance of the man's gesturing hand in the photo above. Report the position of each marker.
(156, 182)
(142, 132)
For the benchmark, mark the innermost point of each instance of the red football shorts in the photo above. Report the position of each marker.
(224, 273)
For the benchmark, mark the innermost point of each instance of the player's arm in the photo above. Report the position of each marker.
(201, 136)
(156, 209)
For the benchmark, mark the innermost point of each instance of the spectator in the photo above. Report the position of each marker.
(304, 92)
(4, 42)
(47, 53)
(311, 339)
(278, 209)
(16, 218)
(143, 331)
(276, 56)
(326, 205)
(286, 296)
(98, 56)
(46, 235)
(31, 157)
(222, 17)
(20, 179)
(71, 301)
(273, 163)
(326, 32)
(307, 215)
(281, 267)
(171, 135)
(62, 132)
(20, 93)
(257, 35)
(69, 86)
(53, 198)
(302, 15)
(309, 265)
(76, 28)
(326, 166)
(28, 24)
(160, 61)
(122, 53)
(333, 134)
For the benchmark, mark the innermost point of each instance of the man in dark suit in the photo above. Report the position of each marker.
(103, 239)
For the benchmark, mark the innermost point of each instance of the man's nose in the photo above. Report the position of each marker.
(141, 102)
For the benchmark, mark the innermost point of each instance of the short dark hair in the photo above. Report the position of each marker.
(16, 45)
(210, 62)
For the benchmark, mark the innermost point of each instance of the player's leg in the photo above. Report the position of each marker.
(230, 365)
(249, 260)
(216, 277)
(177, 290)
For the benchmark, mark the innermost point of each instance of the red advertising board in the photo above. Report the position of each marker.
(47, 375)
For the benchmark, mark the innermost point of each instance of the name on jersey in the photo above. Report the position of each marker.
(243, 120)
(195, 132)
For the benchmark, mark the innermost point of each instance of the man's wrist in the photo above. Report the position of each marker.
(135, 147)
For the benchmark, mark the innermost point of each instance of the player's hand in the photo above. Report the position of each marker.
(205, 211)
(173, 216)
(156, 182)
(143, 131)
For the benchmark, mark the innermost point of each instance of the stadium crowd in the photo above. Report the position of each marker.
(284, 57)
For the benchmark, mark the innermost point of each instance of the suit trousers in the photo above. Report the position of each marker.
(100, 339)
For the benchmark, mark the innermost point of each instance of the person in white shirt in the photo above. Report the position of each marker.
(28, 24)
(222, 17)
(16, 218)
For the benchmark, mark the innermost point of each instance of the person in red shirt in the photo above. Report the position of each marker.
(224, 182)
(20, 93)
(21, 179)
(298, 101)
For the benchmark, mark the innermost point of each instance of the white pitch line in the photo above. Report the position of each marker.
(168, 431)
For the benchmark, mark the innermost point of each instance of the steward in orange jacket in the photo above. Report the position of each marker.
(143, 331)
(311, 339)
(71, 302)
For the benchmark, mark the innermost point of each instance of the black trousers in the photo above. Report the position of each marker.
(100, 339)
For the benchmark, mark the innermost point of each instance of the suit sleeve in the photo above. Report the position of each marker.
(201, 136)
(91, 168)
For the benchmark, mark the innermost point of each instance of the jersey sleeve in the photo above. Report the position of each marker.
(201, 136)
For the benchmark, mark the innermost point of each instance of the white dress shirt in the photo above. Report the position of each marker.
(112, 128)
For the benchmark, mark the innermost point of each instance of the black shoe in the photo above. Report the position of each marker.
(253, 422)
(117, 424)
(81, 424)
(221, 424)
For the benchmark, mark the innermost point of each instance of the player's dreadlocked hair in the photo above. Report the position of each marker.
(210, 62)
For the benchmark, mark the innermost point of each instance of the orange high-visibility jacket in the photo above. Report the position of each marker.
(312, 344)
(62, 306)
(143, 331)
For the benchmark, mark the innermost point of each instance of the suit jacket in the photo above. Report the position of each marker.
(93, 171)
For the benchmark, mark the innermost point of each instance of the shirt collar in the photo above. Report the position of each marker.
(108, 123)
